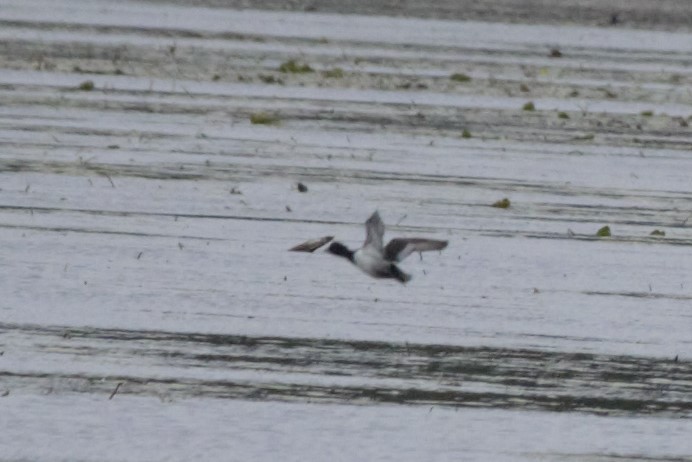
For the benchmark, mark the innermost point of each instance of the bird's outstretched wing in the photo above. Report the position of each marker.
(374, 231)
(399, 248)
(312, 244)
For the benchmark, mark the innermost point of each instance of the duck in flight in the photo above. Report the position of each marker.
(380, 261)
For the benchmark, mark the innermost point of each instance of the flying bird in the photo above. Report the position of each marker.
(380, 261)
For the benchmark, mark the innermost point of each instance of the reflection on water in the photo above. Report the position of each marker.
(357, 372)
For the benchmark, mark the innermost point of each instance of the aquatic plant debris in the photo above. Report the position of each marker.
(603, 232)
(268, 78)
(502, 203)
(87, 85)
(657, 232)
(293, 67)
(459, 77)
(334, 73)
(263, 118)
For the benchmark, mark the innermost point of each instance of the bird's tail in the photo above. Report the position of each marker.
(400, 275)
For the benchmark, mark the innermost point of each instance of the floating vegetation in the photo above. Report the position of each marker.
(573, 93)
(292, 67)
(525, 88)
(609, 93)
(502, 204)
(87, 85)
(458, 77)
(587, 137)
(529, 106)
(335, 73)
(268, 78)
(79, 70)
(646, 113)
(466, 134)
(603, 232)
(262, 118)
(657, 232)
(562, 115)
(555, 53)
(215, 78)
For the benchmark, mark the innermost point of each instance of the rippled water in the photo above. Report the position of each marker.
(150, 308)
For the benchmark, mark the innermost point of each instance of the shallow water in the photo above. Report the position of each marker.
(148, 293)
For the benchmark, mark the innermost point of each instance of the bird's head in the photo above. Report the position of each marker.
(337, 248)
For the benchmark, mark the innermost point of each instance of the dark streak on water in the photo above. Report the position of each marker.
(295, 369)
(653, 240)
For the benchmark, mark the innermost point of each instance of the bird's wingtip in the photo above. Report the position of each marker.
(311, 245)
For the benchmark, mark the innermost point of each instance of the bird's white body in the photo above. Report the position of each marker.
(379, 261)
(370, 261)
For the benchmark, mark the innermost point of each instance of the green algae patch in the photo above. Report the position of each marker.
(335, 73)
(646, 113)
(529, 106)
(459, 77)
(657, 232)
(603, 232)
(293, 67)
(562, 115)
(502, 204)
(262, 118)
(87, 85)
(466, 134)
